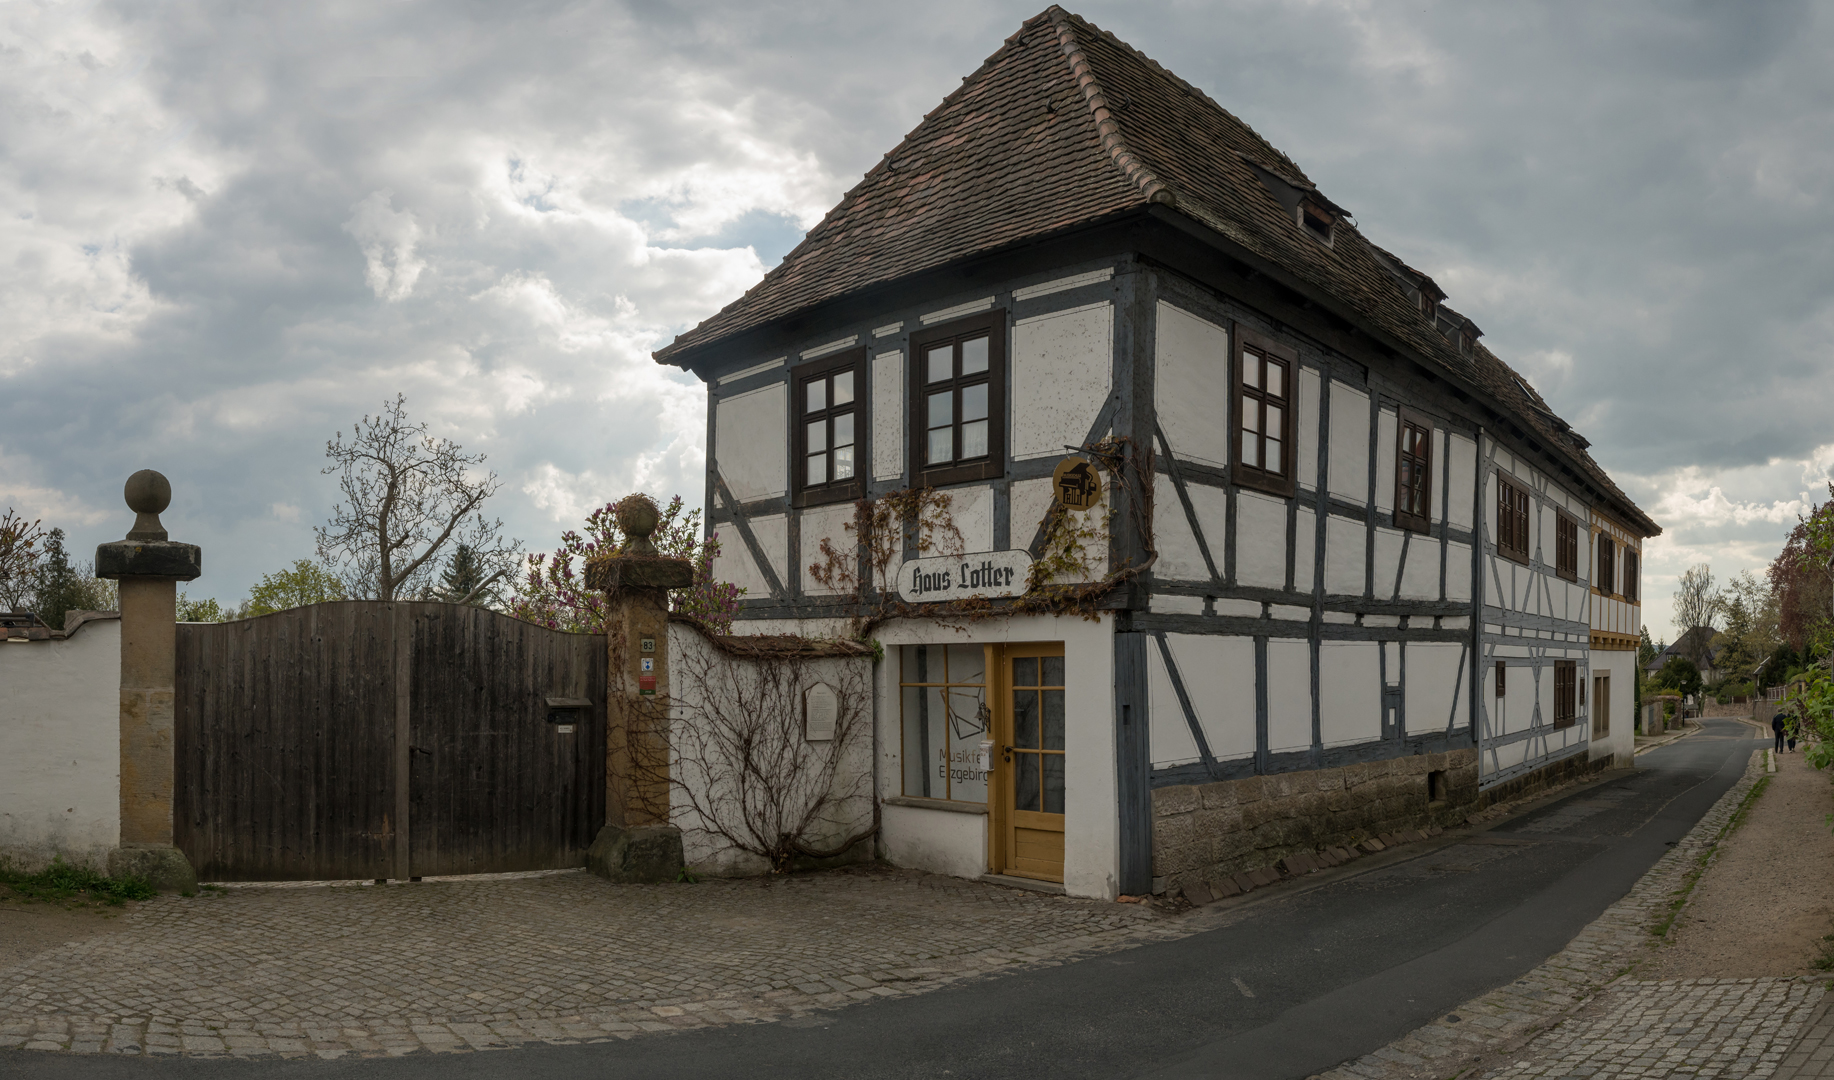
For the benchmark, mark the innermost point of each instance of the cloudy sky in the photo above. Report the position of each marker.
(228, 231)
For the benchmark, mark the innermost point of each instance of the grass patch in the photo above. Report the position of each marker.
(63, 883)
(1692, 878)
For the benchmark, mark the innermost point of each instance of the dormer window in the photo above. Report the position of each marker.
(1317, 220)
(1429, 306)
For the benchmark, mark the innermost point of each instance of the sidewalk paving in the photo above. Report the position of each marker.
(557, 957)
(1584, 1014)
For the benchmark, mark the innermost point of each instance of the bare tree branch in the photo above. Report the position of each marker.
(406, 494)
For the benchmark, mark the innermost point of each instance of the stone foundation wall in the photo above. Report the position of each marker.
(1206, 832)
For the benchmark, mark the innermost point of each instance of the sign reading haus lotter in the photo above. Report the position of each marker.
(959, 577)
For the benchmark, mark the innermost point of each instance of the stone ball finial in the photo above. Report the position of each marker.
(148, 493)
(638, 517)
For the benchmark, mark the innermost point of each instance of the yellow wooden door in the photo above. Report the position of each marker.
(1031, 774)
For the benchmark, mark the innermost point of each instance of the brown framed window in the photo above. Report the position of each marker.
(1511, 520)
(1566, 688)
(829, 420)
(1414, 473)
(1607, 564)
(958, 401)
(1632, 585)
(1566, 546)
(1263, 377)
(1502, 678)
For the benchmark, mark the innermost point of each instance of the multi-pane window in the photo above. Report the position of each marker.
(829, 422)
(943, 698)
(1263, 418)
(1038, 733)
(1502, 678)
(1631, 586)
(1607, 564)
(1566, 692)
(958, 401)
(1566, 547)
(1511, 520)
(1601, 706)
(1414, 473)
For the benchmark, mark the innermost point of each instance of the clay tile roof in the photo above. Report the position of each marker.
(1065, 125)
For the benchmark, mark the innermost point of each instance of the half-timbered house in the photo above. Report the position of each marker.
(1337, 578)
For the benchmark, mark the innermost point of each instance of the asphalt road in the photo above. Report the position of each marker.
(1299, 979)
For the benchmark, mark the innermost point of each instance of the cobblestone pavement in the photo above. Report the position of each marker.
(1583, 1014)
(563, 957)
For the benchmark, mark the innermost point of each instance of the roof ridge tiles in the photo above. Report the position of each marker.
(1151, 186)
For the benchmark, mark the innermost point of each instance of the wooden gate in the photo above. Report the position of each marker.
(364, 739)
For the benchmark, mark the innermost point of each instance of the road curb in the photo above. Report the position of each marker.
(1477, 1032)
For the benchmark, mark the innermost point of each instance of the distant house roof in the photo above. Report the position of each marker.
(1065, 126)
(1684, 647)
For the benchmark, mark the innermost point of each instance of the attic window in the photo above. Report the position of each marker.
(1428, 306)
(1317, 220)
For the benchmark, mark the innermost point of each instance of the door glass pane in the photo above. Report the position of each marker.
(818, 469)
(942, 409)
(843, 387)
(941, 362)
(1053, 719)
(974, 402)
(1053, 783)
(1025, 671)
(843, 429)
(1251, 449)
(942, 445)
(974, 356)
(1275, 379)
(1053, 671)
(818, 395)
(974, 439)
(843, 463)
(1025, 719)
(1251, 369)
(1025, 781)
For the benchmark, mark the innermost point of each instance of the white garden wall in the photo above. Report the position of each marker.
(60, 758)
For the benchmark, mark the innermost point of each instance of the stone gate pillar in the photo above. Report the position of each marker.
(149, 568)
(638, 842)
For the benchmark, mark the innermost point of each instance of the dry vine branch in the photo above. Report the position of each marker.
(741, 770)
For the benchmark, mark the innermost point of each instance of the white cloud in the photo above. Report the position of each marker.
(387, 237)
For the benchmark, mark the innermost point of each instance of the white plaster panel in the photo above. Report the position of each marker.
(1308, 428)
(1387, 561)
(1305, 549)
(1458, 571)
(1179, 558)
(1344, 551)
(888, 415)
(1461, 459)
(773, 535)
(1219, 675)
(1433, 687)
(1166, 604)
(60, 747)
(1029, 502)
(1289, 695)
(1191, 391)
(1211, 504)
(1172, 743)
(1385, 459)
(1241, 609)
(1349, 443)
(1350, 700)
(939, 841)
(818, 524)
(752, 443)
(1420, 573)
(1061, 369)
(1260, 540)
(972, 510)
(734, 563)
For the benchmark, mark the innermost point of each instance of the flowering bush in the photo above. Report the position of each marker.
(553, 590)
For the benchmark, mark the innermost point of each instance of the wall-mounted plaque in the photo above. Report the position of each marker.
(821, 708)
(1076, 483)
(960, 577)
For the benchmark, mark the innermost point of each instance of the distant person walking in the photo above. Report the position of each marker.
(1776, 725)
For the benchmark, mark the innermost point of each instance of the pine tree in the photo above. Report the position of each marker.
(63, 587)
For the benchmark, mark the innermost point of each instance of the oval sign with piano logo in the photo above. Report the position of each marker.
(1076, 483)
(989, 574)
